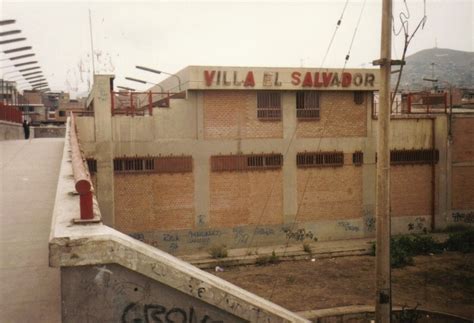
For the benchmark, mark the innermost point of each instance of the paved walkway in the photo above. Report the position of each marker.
(30, 290)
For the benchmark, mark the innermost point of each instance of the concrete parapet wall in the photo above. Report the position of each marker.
(10, 131)
(109, 276)
(187, 241)
(49, 132)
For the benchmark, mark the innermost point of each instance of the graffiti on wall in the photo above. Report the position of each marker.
(138, 313)
(463, 217)
(348, 226)
(369, 223)
(419, 225)
(202, 237)
(299, 234)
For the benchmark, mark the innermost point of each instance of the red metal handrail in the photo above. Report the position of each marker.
(82, 180)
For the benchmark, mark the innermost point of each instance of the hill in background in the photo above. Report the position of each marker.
(453, 66)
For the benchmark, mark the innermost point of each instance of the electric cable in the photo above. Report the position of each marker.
(334, 33)
(354, 35)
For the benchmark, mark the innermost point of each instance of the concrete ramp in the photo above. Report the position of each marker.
(107, 276)
(30, 289)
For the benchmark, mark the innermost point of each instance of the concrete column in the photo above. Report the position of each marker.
(290, 194)
(201, 188)
(441, 183)
(199, 114)
(369, 171)
(104, 147)
(201, 168)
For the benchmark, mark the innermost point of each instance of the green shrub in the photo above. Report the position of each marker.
(307, 248)
(455, 228)
(403, 248)
(400, 252)
(461, 241)
(425, 244)
(264, 260)
(218, 252)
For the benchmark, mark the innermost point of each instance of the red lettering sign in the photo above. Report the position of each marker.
(326, 79)
(308, 80)
(295, 78)
(317, 81)
(209, 77)
(346, 79)
(249, 80)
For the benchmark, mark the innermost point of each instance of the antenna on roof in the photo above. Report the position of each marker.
(92, 44)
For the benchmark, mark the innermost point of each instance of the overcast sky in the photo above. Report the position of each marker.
(172, 35)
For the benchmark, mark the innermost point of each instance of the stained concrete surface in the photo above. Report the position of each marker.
(29, 171)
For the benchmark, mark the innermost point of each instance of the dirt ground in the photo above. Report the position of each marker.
(443, 282)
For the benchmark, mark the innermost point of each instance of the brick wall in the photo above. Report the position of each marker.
(150, 202)
(32, 97)
(463, 188)
(410, 188)
(241, 198)
(331, 193)
(233, 114)
(339, 117)
(463, 139)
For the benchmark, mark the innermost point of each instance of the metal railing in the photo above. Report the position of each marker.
(81, 174)
(10, 113)
(141, 103)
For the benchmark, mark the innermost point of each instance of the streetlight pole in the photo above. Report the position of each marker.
(160, 72)
(144, 82)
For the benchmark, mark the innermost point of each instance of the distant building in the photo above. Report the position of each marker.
(71, 106)
(32, 107)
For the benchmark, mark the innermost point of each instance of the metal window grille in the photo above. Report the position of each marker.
(320, 159)
(173, 164)
(307, 105)
(358, 158)
(169, 164)
(91, 165)
(268, 105)
(246, 162)
(359, 97)
(414, 156)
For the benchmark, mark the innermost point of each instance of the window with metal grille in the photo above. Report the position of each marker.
(414, 156)
(169, 164)
(320, 159)
(246, 162)
(359, 97)
(91, 165)
(358, 158)
(307, 105)
(268, 105)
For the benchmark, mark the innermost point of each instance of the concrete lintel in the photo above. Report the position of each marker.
(96, 244)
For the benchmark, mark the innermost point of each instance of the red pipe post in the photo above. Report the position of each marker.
(83, 184)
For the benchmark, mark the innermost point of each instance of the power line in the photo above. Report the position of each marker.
(334, 33)
(354, 35)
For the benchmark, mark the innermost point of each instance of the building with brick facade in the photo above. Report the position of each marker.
(252, 156)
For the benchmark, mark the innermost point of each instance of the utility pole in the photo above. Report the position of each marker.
(383, 307)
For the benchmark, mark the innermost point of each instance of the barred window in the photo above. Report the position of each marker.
(91, 165)
(358, 158)
(268, 105)
(319, 159)
(359, 97)
(246, 162)
(414, 156)
(169, 164)
(307, 105)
